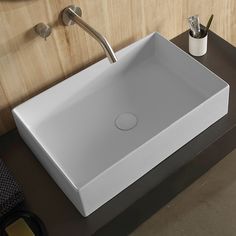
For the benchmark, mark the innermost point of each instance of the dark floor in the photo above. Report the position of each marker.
(207, 207)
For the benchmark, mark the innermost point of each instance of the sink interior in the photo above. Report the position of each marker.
(81, 135)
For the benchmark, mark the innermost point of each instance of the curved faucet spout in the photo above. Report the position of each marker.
(74, 16)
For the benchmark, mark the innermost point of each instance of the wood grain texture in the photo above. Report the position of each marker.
(28, 64)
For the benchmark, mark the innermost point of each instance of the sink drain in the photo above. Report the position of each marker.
(126, 121)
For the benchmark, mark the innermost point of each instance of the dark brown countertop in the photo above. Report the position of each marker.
(138, 202)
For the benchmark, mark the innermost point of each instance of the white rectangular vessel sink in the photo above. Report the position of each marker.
(102, 129)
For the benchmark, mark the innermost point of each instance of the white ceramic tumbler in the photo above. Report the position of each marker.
(197, 46)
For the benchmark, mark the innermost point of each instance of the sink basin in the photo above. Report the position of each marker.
(102, 129)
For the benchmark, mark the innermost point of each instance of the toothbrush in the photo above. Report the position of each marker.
(208, 25)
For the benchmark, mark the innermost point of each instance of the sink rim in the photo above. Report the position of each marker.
(98, 66)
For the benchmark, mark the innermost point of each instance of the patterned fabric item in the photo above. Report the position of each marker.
(10, 192)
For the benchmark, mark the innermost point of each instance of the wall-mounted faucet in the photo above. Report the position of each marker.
(72, 14)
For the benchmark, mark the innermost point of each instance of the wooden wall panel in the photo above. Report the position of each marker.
(28, 64)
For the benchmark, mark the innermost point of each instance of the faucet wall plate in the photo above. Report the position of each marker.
(64, 15)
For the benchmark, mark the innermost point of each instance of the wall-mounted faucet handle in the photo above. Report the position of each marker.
(43, 30)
